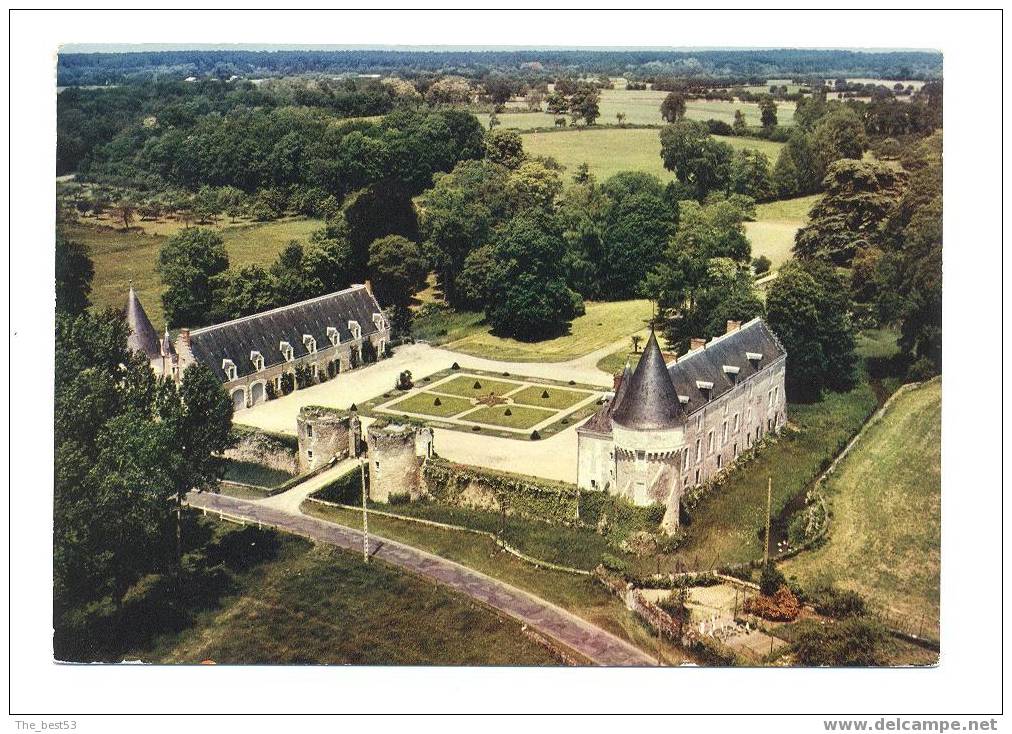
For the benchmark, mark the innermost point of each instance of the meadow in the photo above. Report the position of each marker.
(885, 500)
(772, 233)
(604, 323)
(314, 604)
(608, 150)
(643, 107)
(123, 257)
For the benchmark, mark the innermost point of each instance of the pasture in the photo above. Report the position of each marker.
(123, 257)
(314, 604)
(772, 234)
(885, 500)
(643, 107)
(608, 150)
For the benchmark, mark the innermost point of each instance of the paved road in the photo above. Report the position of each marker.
(599, 646)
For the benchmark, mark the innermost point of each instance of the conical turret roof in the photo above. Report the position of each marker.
(649, 401)
(143, 337)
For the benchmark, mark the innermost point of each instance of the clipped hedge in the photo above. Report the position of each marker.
(524, 496)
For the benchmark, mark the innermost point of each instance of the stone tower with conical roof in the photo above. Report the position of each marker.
(142, 338)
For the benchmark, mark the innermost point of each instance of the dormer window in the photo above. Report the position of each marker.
(755, 358)
(228, 367)
(257, 359)
(355, 329)
(377, 318)
(732, 373)
(706, 388)
(287, 353)
(683, 399)
(310, 343)
(334, 335)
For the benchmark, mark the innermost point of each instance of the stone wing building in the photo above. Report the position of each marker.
(253, 355)
(671, 427)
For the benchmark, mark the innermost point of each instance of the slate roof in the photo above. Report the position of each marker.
(142, 337)
(707, 364)
(650, 403)
(702, 365)
(264, 332)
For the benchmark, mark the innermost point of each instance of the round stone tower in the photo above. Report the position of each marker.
(326, 434)
(396, 451)
(649, 432)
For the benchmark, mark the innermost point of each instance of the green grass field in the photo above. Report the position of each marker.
(464, 386)
(581, 595)
(257, 475)
(603, 324)
(643, 107)
(885, 501)
(520, 416)
(122, 257)
(772, 234)
(317, 604)
(610, 150)
(557, 398)
(424, 404)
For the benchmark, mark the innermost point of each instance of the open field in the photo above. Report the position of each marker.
(122, 257)
(317, 604)
(610, 150)
(604, 323)
(885, 501)
(643, 107)
(581, 595)
(772, 234)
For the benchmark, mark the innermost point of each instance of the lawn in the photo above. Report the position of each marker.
(318, 604)
(510, 416)
(424, 404)
(473, 386)
(772, 234)
(125, 257)
(616, 361)
(725, 526)
(442, 325)
(643, 107)
(257, 475)
(610, 150)
(558, 399)
(581, 595)
(602, 325)
(885, 501)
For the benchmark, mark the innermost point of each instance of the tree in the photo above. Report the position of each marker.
(808, 309)
(750, 175)
(851, 216)
(785, 180)
(557, 104)
(533, 185)
(584, 104)
(673, 107)
(636, 341)
(838, 134)
(187, 264)
(527, 295)
(125, 211)
(739, 127)
(293, 281)
(697, 160)
(620, 118)
(768, 112)
(243, 292)
(398, 268)
(74, 273)
(475, 277)
(375, 212)
(505, 147)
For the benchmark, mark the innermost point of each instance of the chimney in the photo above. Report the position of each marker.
(184, 338)
(696, 343)
(732, 326)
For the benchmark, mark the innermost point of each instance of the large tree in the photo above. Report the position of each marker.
(187, 264)
(697, 160)
(505, 147)
(851, 216)
(673, 107)
(74, 273)
(768, 112)
(808, 308)
(375, 212)
(398, 268)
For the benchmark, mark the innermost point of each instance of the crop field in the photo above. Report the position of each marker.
(604, 323)
(885, 500)
(610, 150)
(473, 401)
(123, 257)
(644, 108)
(318, 605)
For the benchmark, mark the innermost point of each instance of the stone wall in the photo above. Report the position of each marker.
(266, 449)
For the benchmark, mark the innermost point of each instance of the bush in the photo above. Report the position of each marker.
(579, 308)
(782, 606)
(921, 370)
(762, 265)
(837, 603)
(719, 127)
(535, 436)
(404, 381)
(856, 641)
(770, 580)
(613, 563)
(287, 383)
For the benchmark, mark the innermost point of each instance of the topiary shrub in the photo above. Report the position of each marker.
(477, 385)
(572, 382)
(535, 436)
(544, 394)
(454, 366)
(508, 412)
(437, 401)
(475, 428)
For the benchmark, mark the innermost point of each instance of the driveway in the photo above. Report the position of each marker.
(596, 644)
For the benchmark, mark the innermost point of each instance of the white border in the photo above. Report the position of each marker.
(969, 678)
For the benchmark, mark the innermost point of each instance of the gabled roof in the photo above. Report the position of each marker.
(706, 365)
(264, 332)
(650, 402)
(142, 337)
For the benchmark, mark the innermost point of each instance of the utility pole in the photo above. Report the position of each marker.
(365, 513)
(769, 509)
